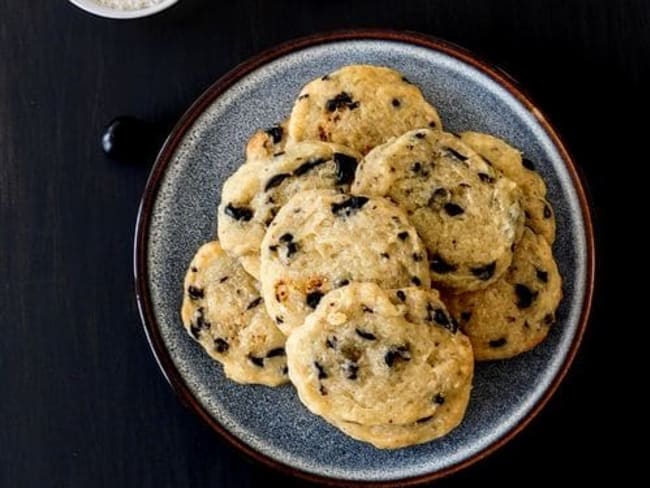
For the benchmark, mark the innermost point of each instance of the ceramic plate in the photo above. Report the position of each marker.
(178, 213)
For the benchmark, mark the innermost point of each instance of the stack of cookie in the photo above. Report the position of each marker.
(370, 258)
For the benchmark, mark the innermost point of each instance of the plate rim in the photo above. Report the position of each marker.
(143, 222)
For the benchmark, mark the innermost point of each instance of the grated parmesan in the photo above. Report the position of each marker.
(128, 4)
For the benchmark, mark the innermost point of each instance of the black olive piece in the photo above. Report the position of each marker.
(342, 283)
(259, 362)
(547, 211)
(221, 345)
(308, 166)
(438, 195)
(331, 342)
(345, 168)
(273, 248)
(395, 102)
(484, 273)
(285, 370)
(321, 371)
(420, 135)
(424, 419)
(525, 296)
(453, 209)
(487, 161)
(276, 180)
(279, 320)
(433, 124)
(485, 178)
(528, 164)
(275, 133)
(456, 154)
(286, 237)
(194, 269)
(254, 303)
(195, 331)
(224, 279)
(351, 369)
(438, 265)
(403, 235)
(347, 207)
(439, 399)
(416, 281)
(365, 335)
(401, 295)
(542, 275)
(396, 353)
(342, 100)
(313, 298)
(498, 342)
(292, 248)
(439, 316)
(416, 167)
(278, 351)
(238, 213)
(194, 292)
(199, 324)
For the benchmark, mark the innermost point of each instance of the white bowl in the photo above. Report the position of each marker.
(94, 7)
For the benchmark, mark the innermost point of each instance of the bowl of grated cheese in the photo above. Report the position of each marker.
(123, 9)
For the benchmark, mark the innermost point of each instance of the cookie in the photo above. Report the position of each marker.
(256, 192)
(359, 106)
(514, 314)
(224, 311)
(265, 144)
(322, 239)
(508, 160)
(386, 366)
(390, 436)
(466, 213)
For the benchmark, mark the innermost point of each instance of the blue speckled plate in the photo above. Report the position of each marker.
(178, 213)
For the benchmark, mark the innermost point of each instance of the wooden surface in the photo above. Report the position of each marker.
(82, 402)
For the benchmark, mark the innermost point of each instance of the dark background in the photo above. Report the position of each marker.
(82, 402)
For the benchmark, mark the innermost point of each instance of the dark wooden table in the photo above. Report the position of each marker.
(82, 402)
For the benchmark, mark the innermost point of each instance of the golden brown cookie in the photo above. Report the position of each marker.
(514, 314)
(466, 213)
(256, 192)
(359, 106)
(386, 366)
(323, 239)
(508, 160)
(224, 311)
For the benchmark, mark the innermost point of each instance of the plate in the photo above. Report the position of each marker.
(178, 213)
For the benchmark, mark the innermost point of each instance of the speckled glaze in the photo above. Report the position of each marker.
(178, 213)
